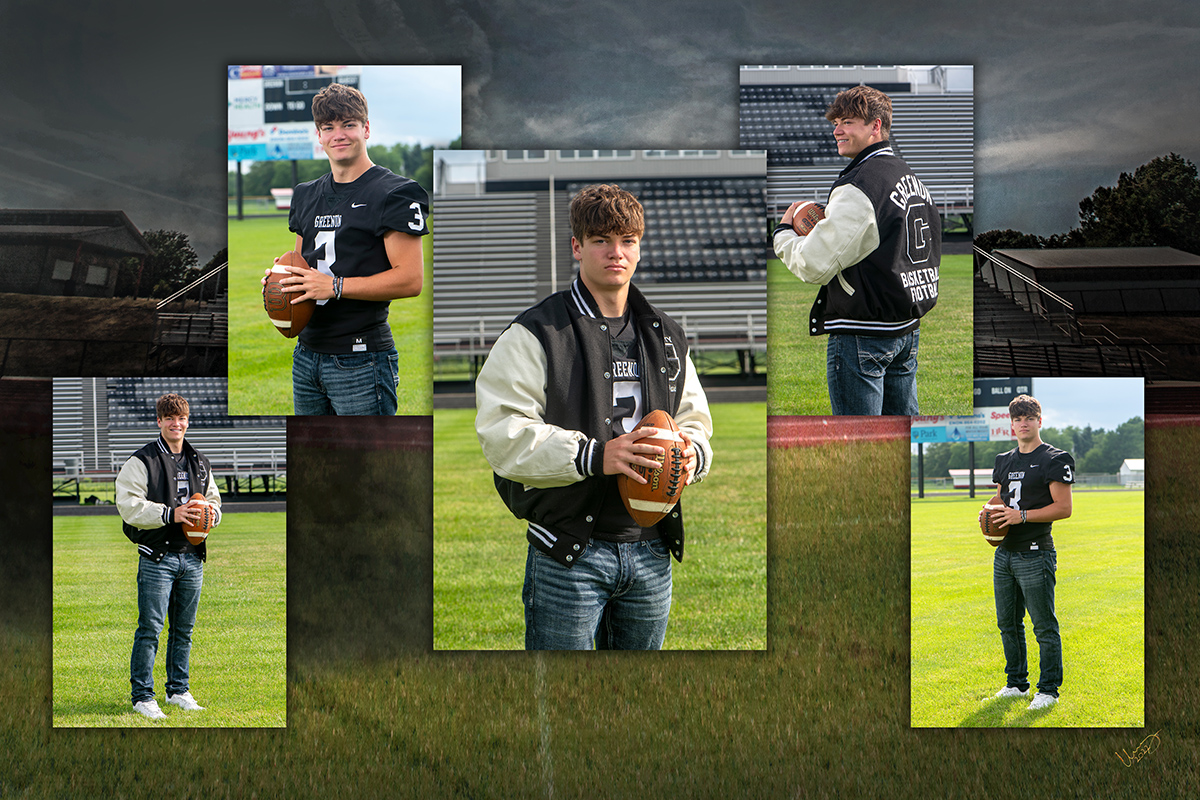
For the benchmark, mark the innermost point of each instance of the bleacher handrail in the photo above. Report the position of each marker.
(205, 277)
(1064, 312)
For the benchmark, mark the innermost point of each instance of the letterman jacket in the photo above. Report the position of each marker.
(881, 239)
(147, 495)
(545, 399)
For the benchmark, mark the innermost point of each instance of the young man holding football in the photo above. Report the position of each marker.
(1034, 482)
(558, 400)
(359, 229)
(876, 256)
(153, 491)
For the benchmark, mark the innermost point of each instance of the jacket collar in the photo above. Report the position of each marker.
(883, 148)
(163, 449)
(580, 300)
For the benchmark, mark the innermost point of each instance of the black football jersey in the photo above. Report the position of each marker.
(614, 523)
(1024, 480)
(342, 226)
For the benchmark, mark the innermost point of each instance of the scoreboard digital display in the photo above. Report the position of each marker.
(290, 99)
(270, 109)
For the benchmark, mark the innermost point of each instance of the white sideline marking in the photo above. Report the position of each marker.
(544, 725)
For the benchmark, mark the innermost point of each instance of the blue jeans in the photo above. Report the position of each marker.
(170, 590)
(1025, 580)
(616, 597)
(345, 385)
(872, 375)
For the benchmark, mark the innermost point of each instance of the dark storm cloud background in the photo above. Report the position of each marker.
(126, 111)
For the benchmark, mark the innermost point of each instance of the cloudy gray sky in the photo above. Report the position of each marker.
(126, 111)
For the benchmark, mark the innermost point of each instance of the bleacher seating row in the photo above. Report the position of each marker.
(934, 133)
(704, 257)
(99, 422)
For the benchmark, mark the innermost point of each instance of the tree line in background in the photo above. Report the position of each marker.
(1096, 450)
(173, 266)
(411, 161)
(1157, 206)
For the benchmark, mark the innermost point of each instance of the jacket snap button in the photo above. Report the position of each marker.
(662, 369)
(607, 375)
(656, 324)
(576, 546)
(570, 558)
(589, 517)
(607, 421)
(603, 327)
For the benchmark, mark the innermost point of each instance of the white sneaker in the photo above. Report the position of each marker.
(1042, 701)
(185, 701)
(1010, 691)
(149, 709)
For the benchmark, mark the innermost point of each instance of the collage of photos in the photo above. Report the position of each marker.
(409, 400)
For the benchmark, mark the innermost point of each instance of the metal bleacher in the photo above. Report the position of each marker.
(934, 133)
(703, 261)
(100, 422)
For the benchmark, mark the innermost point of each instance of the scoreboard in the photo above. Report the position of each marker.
(270, 109)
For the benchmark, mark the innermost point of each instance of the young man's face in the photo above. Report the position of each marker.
(344, 140)
(173, 427)
(1026, 428)
(854, 135)
(607, 260)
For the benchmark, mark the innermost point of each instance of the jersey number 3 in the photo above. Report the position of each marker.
(328, 256)
(1015, 500)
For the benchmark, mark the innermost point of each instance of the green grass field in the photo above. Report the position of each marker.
(239, 645)
(260, 360)
(719, 598)
(957, 658)
(945, 378)
(824, 713)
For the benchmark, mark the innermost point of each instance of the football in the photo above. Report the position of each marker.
(649, 502)
(806, 218)
(199, 532)
(289, 318)
(994, 535)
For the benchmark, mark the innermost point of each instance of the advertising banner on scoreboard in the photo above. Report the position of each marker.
(992, 396)
(949, 429)
(270, 112)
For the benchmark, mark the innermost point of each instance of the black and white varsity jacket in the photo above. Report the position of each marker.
(147, 494)
(544, 402)
(881, 239)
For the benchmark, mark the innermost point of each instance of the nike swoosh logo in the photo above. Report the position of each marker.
(357, 205)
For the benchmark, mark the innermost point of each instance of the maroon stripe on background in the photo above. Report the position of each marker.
(361, 433)
(811, 431)
(1172, 420)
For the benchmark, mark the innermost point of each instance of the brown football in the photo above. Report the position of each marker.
(199, 532)
(994, 535)
(289, 318)
(649, 502)
(806, 218)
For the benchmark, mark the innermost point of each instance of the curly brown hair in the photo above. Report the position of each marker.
(865, 103)
(170, 405)
(604, 208)
(1024, 406)
(338, 102)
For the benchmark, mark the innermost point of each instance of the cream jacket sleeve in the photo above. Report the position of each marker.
(131, 498)
(510, 398)
(694, 419)
(846, 236)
